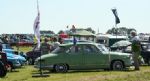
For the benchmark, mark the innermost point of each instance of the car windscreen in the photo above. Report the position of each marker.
(102, 48)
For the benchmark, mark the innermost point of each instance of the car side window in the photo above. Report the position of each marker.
(74, 49)
(90, 49)
(60, 49)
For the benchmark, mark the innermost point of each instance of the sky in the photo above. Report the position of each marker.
(17, 16)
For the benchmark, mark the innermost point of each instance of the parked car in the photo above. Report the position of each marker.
(13, 60)
(3, 58)
(6, 46)
(83, 55)
(3, 69)
(13, 63)
(9, 62)
(145, 52)
(11, 53)
(32, 55)
(25, 42)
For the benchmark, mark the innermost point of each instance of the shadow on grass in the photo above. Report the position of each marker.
(69, 72)
(79, 71)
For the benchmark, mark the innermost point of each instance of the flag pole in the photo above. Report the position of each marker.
(116, 30)
(38, 6)
(39, 48)
(37, 34)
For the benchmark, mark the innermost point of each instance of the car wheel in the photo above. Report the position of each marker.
(117, 65)
(61, 68)
(3, 71)
(31, 61)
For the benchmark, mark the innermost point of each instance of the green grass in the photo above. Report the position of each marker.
(23, 48)
(25, 74)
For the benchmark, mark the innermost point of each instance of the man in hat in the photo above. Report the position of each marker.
(136, 48)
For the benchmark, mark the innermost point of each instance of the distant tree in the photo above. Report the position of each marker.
(61, 31)
(121, 30)
(129, 30)
(87, 29)
(112, 31)
(47, 32)
(90, 30)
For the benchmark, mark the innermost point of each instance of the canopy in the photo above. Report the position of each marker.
(83, 33)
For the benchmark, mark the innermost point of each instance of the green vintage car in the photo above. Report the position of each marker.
(83, 56)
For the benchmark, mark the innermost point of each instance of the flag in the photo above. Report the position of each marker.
(36, 28)
(74, 40)
(116, 16)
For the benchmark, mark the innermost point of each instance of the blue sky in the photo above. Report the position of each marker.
(17, 16)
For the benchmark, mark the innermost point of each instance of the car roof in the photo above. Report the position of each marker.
(79, 43)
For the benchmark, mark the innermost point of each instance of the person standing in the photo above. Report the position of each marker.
(55, 44)
(136, 49)
(45, 47)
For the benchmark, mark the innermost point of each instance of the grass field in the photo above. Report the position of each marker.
(25, 74)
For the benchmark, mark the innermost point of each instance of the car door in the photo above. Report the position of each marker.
(93, 57)
(75, 56)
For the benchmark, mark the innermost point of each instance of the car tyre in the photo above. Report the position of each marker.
(31, 61)
(61, 68)
(117, 66)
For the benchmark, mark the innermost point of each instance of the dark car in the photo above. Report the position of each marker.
(145, 53)
(3, 58)
(32, 55)
(3, 69)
